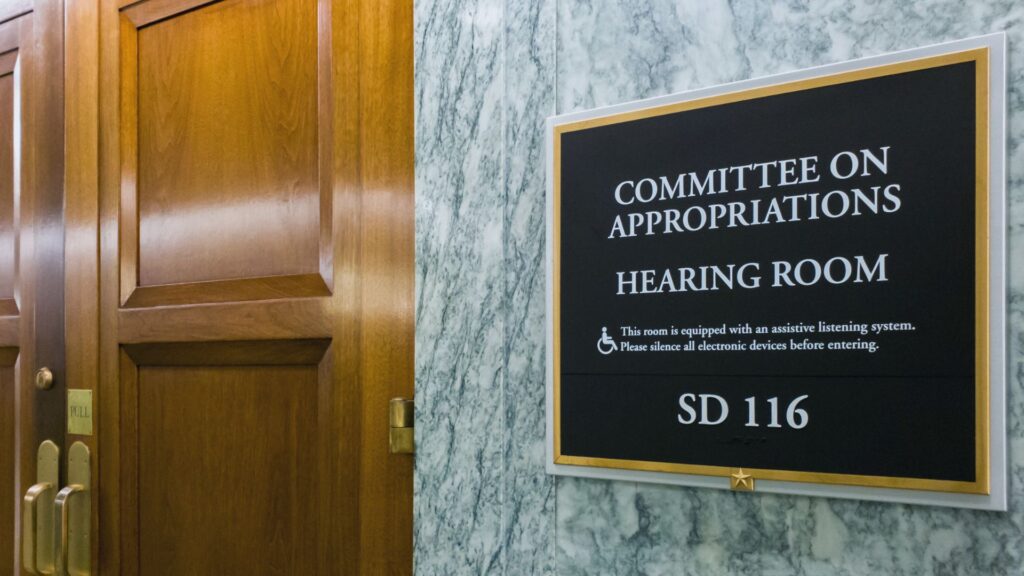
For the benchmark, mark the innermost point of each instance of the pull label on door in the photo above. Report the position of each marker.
(80, 412)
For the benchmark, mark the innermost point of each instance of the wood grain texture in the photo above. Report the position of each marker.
(81, 177)
(42, 217)
(245, 353)
(10, 330)
(267, 288)
(274, 320)
(144, 12)
(11, 9)
(200, 339)
(31, 331)
(227, 143)
(11, 38)
(7, 191)
(9, 485)
(8, 462)
(227, 470)
(9, 221)
(9, 187)
(9, 356)
(386, 261)
(117, 504)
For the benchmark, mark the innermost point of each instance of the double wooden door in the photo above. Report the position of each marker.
(208, 225)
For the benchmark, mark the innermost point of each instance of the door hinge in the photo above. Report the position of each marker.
(403, 432)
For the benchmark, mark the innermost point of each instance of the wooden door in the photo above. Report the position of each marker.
(31, 251)
(256, 264)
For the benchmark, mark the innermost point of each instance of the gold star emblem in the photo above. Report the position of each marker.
(742, 481)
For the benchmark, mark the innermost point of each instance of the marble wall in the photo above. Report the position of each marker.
(487, 74)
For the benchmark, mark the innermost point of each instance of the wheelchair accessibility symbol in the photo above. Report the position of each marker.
(605, 345)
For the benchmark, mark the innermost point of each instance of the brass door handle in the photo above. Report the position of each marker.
(73, 514)
(64, 531)
(36, 528)
(37, 512)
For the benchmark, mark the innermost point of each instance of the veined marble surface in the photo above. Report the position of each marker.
(487, 73)
(460, 300)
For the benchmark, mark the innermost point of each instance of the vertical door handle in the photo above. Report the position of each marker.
(36, 528)
(37, 512)
(73, 516)
(64, 534)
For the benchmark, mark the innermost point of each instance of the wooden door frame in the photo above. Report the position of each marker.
(373, 188)
(81, 247)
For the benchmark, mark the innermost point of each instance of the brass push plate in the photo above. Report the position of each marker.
(80, 412)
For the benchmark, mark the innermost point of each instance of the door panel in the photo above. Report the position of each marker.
(8, 247)
(225, 140)
(256, 285)
(9, 484)
(227, 137)
(259, 512)
(31, 250)
(8, 460)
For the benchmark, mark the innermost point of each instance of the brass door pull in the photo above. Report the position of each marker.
(73, 515)
(37, 512)
(36, 558)
(62, 510)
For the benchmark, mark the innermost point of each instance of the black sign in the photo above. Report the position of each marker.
(790, 280)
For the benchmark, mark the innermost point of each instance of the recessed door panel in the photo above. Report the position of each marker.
(7, 191)
(227, 469)
(8, 457)
(228, 179)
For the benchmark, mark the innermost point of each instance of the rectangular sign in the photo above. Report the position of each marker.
(790, 284)
(80, 412)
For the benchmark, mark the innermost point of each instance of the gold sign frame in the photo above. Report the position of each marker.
(981, 485)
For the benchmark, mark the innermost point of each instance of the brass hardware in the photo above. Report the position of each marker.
(741, 481)
(402, 420)
(73, 511)
(80, 412)
(63, 537)
(37, 530)
(44, 378)
(402, 413)
(403, 441)
(37, 514)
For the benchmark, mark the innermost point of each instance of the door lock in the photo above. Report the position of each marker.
(44, 378)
